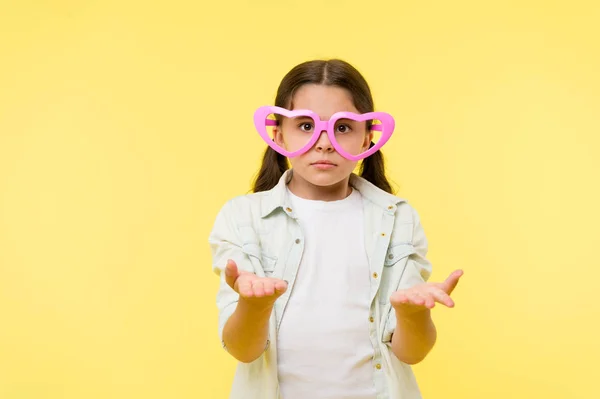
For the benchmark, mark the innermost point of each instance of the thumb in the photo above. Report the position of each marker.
(452, 281)
(231, 273)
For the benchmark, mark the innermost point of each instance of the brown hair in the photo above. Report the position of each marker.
(326, 72)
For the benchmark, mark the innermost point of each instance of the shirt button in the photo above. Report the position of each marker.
(371, 319)
(288, 209)
(297, 241)
(375, 275)
(390, 256)
(383, 234)
(390, 207)
(378, 366)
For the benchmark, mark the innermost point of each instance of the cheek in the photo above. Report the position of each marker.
(286, 141)
(345, 165)
(359, 143)
(293, 162)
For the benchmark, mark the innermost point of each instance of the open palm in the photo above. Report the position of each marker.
(424, 296)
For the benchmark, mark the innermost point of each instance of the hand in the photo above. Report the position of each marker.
(424, 296)
(261, 292)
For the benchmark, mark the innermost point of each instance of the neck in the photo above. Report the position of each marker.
(305, 189)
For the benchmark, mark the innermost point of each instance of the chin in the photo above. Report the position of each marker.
(324, 178)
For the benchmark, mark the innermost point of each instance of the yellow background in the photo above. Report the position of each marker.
(124, 126)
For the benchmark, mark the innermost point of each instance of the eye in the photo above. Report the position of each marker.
(306, 126)
(343, 129)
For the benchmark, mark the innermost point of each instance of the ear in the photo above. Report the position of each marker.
(278, 136)
(368, 139)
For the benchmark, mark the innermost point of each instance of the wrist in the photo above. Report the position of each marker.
(254, 308)
(419, 316)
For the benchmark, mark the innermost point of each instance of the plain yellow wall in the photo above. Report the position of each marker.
(125, 125)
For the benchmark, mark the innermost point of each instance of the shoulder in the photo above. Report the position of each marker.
(234, 215)
(245, 200)
(406, 223)
(242, 207)
(252, 208)
(406, 212)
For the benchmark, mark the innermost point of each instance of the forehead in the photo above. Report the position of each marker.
(323, 100)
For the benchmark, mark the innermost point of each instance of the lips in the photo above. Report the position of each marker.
(323, 162)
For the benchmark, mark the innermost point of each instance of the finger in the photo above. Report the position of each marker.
(400, 297)
(231, 273)
(452, 280)
(269, 287)
(416, 299)
(443, 298)
(280, 286)
(429, 299)
(258, 288)
(244, 287)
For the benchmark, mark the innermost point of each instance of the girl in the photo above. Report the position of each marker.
(323, 272)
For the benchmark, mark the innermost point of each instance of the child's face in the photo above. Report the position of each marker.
(292, 134)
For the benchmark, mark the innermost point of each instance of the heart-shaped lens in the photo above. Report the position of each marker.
(288, 132)
(358, 136)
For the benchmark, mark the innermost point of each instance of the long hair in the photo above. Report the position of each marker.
(333, 72)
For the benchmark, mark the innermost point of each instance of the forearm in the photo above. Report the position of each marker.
(245, 333)
(414, 336)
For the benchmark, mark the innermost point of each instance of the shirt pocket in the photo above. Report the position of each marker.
(257, 255)
(394, 265)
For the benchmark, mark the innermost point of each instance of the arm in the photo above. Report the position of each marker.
(414, 337)
(415, 333)
(244, 300)
(246, 332)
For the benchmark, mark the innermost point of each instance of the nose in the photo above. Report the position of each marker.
(323, 143)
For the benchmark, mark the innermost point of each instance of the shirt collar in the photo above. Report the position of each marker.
(277, 197)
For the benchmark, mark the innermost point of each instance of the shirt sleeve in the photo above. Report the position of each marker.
(417, 271)
(225, 243)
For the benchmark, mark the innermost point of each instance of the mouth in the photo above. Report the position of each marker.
(324, 162)
(323, 165)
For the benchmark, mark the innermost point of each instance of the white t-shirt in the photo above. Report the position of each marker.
(320, 356)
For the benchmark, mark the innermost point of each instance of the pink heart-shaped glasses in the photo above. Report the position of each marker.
(386, 127)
